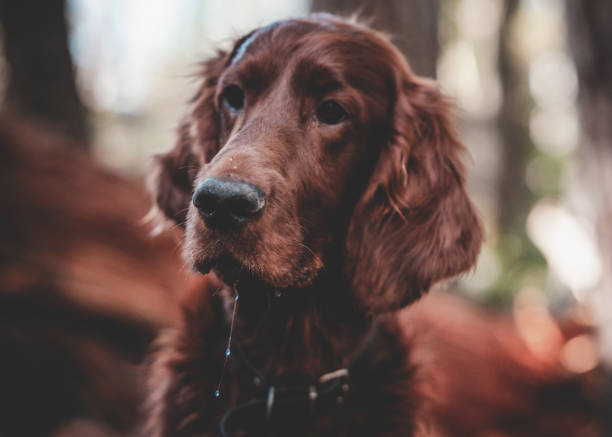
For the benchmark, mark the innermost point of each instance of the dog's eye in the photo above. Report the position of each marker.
(330, 112)
(233, 97)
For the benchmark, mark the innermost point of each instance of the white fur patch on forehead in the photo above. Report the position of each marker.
(239, 51)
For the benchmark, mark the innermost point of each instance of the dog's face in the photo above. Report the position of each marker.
(312, 140)
(297, 112)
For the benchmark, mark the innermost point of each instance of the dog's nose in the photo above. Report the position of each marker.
(227, 204)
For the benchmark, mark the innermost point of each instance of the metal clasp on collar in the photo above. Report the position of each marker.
(327, 384)
(270, 401)
(340, 374)
(312, 398)
(336, 374)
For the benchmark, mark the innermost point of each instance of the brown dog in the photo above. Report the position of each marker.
(322, 182)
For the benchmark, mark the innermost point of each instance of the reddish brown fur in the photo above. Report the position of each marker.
(83, 289)
(362, 217)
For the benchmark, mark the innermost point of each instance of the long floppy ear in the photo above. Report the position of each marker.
(174, 172)
(414, 224)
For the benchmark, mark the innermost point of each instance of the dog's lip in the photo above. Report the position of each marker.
(221, 262)
(229, 269)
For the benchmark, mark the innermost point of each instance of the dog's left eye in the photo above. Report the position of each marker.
(330, 112)
(233, 96)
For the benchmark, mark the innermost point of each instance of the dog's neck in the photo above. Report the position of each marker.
(298, 333)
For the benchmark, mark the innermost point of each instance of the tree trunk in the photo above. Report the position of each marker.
(590, 38)
(413, 25)
(514, 198)
(41, 82)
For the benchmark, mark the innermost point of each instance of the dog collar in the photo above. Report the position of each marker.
(270, 400)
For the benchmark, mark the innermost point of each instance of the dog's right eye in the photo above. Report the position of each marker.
(330, 112)
(233, 97)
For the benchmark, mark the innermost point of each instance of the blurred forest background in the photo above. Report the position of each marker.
(532, 85)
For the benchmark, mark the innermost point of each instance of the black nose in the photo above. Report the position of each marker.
(227, 204)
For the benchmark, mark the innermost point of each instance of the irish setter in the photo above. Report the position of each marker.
(322, 183)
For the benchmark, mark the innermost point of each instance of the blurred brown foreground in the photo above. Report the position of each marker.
(84, 288)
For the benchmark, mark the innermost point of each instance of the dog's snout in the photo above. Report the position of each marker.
(226, 204)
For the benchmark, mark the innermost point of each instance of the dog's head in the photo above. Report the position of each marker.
(311, 142)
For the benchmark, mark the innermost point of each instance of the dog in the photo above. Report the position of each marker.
(321, 187)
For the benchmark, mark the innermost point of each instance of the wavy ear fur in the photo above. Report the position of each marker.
(198, 140)
(415, 224)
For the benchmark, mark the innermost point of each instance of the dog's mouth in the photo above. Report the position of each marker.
(227, 268)
(231, 270)
(277, 258)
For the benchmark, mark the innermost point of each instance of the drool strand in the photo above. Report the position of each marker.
(228, 350)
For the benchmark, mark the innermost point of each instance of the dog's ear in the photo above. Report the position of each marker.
(174, 172)
(414, 225)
